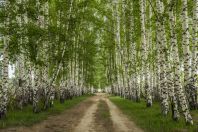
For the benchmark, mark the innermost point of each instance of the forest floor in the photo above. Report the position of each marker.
(95, 114)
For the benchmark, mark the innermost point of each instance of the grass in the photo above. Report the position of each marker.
(103, 118)
(103, 110)
(150, 119)
(26, 117)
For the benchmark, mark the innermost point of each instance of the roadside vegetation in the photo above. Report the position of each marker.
(151, 119)
(27, 117)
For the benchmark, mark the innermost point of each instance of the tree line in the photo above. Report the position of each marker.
(153, 53)
(52, 46)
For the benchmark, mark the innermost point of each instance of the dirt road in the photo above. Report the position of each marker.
(82, 118)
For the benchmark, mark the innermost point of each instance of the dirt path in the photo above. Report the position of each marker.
(87, 122)
(82, 118)
(121, 122)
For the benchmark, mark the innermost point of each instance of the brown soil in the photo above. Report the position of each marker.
(87, 121)
(84, 117)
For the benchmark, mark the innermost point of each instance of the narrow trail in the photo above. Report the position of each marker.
(81, 118)
(87, 122)
(121, 122)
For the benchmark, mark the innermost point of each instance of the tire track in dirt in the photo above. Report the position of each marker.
(87, 122)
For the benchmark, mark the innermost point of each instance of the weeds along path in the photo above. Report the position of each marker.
(65, 122)
(96, 114)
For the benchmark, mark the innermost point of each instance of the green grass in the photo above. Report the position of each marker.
(103, 118)
(27, 117)
(103, 110)
(150, 119)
